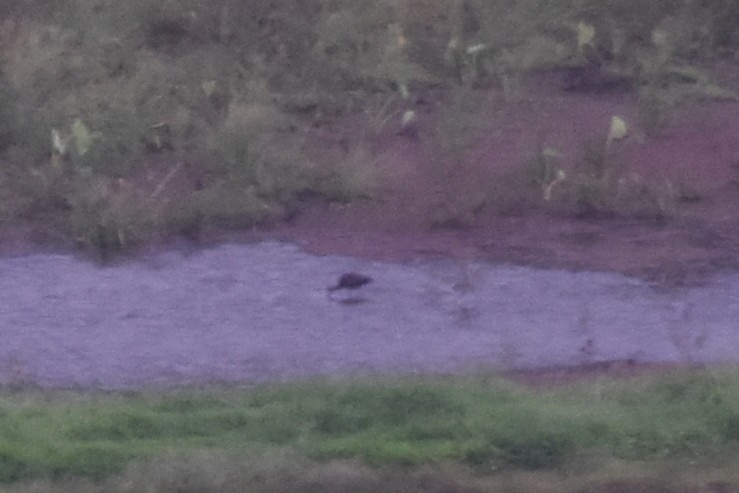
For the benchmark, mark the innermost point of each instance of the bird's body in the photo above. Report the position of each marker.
(351, 280)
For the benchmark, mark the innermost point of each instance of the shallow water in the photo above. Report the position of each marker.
(261, 312)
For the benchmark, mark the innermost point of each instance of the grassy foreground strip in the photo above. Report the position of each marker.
(363, 428)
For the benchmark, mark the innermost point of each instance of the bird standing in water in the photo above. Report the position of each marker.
(350, 281)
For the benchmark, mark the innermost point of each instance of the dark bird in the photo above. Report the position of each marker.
(350, 280)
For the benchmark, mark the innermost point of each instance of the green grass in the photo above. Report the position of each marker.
(481, 423)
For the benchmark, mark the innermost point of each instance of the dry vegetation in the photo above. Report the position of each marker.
(125, 121)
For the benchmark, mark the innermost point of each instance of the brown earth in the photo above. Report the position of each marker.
(693, 161)
(477, 202)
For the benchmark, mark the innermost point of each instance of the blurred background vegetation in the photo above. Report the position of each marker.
(120, 121)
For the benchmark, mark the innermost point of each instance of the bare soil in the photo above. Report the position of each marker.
(694, 156)
(484, 206)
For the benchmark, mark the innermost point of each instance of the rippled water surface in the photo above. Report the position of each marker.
(256, 312)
